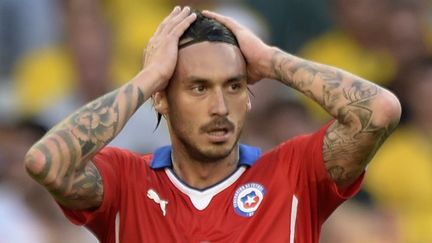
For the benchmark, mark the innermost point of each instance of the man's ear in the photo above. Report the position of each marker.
(249, 104)
(160, 102)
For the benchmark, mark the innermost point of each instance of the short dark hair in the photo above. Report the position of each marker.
(204, 29)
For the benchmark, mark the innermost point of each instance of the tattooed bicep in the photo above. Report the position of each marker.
(85, 190)
(348, 149)
(89, 184)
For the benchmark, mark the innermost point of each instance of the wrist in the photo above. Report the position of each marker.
(279, 65)
(148, 82)
(267, 62)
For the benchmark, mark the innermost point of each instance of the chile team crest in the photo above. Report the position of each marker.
(247, 199)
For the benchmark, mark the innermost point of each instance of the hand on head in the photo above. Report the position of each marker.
(161, 52)
(257, 54)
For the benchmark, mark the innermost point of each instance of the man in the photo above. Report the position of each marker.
(206, 187)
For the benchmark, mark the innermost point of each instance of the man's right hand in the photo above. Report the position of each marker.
(160, 55)
(62, 160)
(258, 55)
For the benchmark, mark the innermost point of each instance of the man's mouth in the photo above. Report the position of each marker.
(218, 135)
(221, 124)
(218, 130)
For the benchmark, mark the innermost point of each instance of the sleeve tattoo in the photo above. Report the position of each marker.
(66, 149)
(352, 140)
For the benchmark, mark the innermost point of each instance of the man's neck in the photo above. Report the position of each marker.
(200, 175)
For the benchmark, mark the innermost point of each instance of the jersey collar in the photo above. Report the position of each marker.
(162, 156)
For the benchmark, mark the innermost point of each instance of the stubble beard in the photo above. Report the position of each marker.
(206, 153)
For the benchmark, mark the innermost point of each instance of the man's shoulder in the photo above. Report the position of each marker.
(122, 156)
(299, 144)
(291, 143)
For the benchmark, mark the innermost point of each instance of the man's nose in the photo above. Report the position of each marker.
(218, 103)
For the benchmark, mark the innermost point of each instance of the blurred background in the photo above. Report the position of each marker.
(57, 55)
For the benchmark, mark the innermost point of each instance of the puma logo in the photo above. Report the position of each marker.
(155, 197)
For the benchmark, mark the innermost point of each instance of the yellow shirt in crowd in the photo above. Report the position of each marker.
(400, 179)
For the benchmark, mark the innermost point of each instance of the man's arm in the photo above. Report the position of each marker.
(61, 160)
(365, 113)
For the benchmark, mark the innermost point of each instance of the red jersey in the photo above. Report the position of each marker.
(284, 195)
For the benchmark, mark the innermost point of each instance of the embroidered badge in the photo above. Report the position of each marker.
(155, 197)
(247, 199)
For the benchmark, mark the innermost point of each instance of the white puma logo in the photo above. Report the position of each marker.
(155, 197)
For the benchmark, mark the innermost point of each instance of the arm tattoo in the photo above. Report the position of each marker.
(87, 186)
(352, 140)
(346, 153)
(67, 148)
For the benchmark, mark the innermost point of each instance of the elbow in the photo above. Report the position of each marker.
(34, 162)
(389, 111)
(38, 166)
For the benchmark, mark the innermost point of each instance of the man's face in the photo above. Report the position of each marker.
(207, 100)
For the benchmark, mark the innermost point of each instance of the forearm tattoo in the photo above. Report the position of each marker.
(67, 148)
(352, 140)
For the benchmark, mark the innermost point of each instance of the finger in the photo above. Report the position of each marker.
(172, 23)
(180, 28)
(227, 21)
(173, 13)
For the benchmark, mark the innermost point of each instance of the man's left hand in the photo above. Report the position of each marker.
(258, 55)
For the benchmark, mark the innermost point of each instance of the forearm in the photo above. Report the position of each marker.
(67, 147)
(365, 113)
(344, 96)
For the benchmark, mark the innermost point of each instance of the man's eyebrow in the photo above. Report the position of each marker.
(197, 79)
(237, 78)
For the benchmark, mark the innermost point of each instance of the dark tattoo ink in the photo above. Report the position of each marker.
(352, 140)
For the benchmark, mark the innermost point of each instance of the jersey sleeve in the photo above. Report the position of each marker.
(305, 156)
(108, 162)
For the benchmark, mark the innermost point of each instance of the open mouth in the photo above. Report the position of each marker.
(218, 132)
(219, 135)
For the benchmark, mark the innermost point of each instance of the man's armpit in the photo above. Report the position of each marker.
(85, 190)
(347, 151)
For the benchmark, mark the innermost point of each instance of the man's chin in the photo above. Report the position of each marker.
(216, 151)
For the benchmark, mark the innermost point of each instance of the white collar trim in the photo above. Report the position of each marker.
(201, 199)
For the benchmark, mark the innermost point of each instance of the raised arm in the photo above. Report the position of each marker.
(365, 113)
(61, 160)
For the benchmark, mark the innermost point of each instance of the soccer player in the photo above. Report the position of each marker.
(205, 186)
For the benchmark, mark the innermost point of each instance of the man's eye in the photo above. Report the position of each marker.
(235, 86)
(199, 89)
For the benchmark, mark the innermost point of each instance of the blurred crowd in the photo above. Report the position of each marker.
(57, 55)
